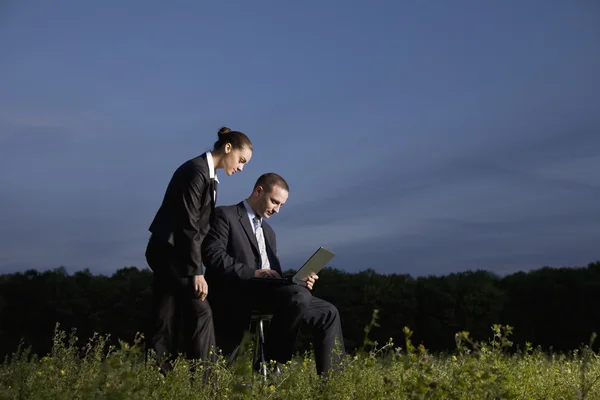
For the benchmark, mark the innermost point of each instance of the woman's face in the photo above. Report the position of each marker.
(235, 159)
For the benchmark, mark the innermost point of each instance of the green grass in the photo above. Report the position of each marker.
(474, 371)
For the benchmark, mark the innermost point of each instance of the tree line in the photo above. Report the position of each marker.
(554, 308)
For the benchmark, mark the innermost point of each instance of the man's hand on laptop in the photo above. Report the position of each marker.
(266, 273)
(310, 280)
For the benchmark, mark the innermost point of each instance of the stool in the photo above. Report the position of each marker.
(257, 319)
(259, 350)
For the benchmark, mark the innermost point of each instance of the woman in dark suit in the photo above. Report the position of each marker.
(174, 252)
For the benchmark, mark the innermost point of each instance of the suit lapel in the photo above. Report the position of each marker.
(211, 186)
(245, 221)
(268, 234)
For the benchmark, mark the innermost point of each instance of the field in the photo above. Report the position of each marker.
(487, 370)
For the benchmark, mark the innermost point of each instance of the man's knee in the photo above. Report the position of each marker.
(334, 314)
(323, 315)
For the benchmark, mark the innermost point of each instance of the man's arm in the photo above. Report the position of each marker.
(214, 250)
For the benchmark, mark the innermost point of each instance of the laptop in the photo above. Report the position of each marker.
(315, 263)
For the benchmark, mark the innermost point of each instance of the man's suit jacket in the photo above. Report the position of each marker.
(231, 255)
(184, 216)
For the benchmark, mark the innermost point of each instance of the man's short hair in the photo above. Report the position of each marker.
(269, 180)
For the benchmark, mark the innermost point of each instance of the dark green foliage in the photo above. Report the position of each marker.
(552, 307)
(474, 371)
(31, 303)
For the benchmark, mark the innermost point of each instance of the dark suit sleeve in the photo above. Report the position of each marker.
(214, 250)
(189, 220)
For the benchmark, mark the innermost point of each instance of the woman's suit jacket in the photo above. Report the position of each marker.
(184, 217)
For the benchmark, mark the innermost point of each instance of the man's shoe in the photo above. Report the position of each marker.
(276, 371)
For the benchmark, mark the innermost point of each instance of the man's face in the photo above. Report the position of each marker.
(268, 203)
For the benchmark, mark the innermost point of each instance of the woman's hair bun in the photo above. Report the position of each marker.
(223, 131)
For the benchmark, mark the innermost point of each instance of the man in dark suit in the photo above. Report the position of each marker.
(241, 245)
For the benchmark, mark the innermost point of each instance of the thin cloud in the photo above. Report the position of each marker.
(486, 173)
(480, 210)
(445, 248)
(27, 126)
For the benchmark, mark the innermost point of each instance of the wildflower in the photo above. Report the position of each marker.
(62, 371)
(454, 358)
(272, 387)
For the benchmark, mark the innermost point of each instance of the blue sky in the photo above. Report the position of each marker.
(417, 137)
